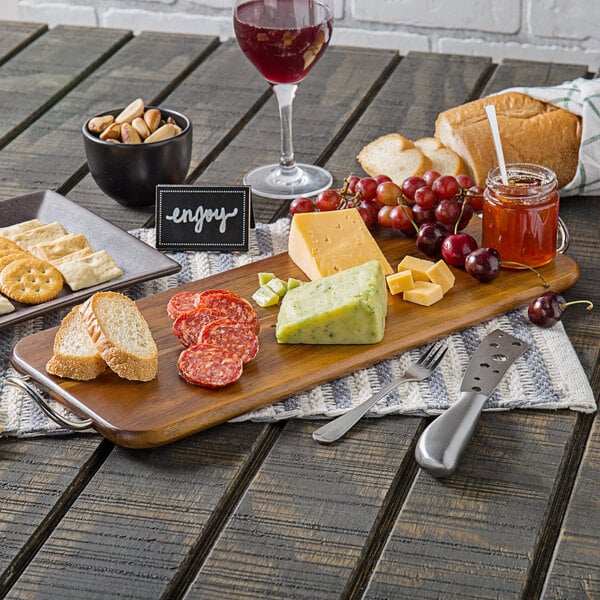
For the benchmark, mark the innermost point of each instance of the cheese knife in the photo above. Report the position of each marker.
(441, 444)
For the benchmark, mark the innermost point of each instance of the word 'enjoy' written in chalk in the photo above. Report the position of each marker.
(200, 216)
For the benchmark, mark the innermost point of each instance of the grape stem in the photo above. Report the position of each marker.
(518, 264)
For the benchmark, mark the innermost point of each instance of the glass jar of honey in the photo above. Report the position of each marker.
(520, 220)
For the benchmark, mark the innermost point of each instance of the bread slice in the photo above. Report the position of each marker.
(75, 355)
(395, 156)
(443, 160)
(428, 144)
(530, 130)
(121, 335)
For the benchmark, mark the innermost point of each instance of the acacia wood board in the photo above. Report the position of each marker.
(147, 414)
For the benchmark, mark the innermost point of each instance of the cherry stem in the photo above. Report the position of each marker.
(462, 210)
(518, 264)
(589, 306)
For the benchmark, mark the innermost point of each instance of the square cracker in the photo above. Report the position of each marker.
(60, 247)
(12, 230)
(37, 235)
(89, 270)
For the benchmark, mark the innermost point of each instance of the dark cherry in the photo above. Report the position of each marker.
(456, 247)
(547, 309)
(430, 238)
(483, 264)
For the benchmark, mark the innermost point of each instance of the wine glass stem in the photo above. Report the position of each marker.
(285, 93)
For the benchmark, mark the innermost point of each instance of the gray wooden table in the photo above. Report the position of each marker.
(259, 510)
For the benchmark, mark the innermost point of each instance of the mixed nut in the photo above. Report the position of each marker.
(134, 125)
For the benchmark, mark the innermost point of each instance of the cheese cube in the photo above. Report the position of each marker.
(265, 296)
(418, 266)
(400, 282)
(441, 274)
(324, 243)
(345, 308)
(424, 293)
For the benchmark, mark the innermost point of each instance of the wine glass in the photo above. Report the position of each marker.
(284, 39)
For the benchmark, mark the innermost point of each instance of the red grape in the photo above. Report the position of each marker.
(352, 181)
(465, 217)
(430, 176)
(372, 206)
(366, 188)
(301, 205)
(400, 218)
(366, 215)
(447, 212)
(411, 184)
(383, 216)
(425, 197)
(423, 215)
(389, 193)
(329, 200)
(465, 181)
(475, 197)
(381, 178)
(430, 238)
(445, 186)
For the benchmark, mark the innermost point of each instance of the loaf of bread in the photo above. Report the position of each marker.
(121, 335)
(530, 130)
(75, 355)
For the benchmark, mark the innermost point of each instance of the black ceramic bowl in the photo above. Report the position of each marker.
(129, 173)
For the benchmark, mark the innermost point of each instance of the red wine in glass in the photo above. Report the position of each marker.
(284, 39)
(281, 54)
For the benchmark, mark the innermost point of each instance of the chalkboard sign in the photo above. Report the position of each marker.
(192, 217)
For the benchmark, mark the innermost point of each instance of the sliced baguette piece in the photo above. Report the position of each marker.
(428, 144)
(75, 355)
(443, 160)
(121, 335)
(403, 164)
(375, 155)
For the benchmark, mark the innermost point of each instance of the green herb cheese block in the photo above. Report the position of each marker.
(345, 308)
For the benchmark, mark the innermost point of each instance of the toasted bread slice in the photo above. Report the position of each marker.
(121, 335)
(75, 355)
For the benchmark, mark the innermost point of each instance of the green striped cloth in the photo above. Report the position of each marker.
(581, 97)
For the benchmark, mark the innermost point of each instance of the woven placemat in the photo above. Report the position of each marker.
(549, 376)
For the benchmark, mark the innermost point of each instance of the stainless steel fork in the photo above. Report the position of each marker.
(418, 371)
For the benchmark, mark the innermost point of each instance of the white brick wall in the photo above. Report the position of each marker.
(564, 31)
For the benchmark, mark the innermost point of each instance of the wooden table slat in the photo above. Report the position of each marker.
(47, 69)
(16, 35)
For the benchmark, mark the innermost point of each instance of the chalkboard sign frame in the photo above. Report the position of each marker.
(203, 218)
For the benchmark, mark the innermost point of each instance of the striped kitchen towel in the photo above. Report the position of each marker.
(581, 97)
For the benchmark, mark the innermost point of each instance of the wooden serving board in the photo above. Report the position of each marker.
(135, 414)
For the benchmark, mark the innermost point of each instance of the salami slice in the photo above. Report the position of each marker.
(188, 325)
(218, 292)
(209, 365)
(182, 302)
(234, 306)
(233, 335)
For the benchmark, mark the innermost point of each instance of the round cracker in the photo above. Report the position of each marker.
(31, 281)
(6, 259)
(6, 244)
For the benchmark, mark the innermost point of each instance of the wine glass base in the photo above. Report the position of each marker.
(271, 182)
